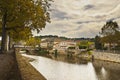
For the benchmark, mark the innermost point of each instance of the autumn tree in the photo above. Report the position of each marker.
(33, 42)
(15, 14)
(19, 34)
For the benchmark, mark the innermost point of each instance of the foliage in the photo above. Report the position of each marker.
(25, 13)
(109, 28)
(117, 37)
(85, 44)
(98, 44)
(33, 42)
(20, 34)
(90, 53)
(42, 51)
(110, 33)
(71, 47)
(15, 14)
(65, 38)
(82, 47)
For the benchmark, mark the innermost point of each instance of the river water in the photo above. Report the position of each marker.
(63, 70)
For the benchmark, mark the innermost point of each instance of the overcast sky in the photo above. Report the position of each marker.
(81, 18)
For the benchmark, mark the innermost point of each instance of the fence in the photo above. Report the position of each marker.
(108, 51)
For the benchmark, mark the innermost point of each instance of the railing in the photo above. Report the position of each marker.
(108, 51)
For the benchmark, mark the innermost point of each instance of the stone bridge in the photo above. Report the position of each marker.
(19, 48)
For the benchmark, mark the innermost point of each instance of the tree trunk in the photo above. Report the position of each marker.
(7, 43)
(10, 43)
(4, 34)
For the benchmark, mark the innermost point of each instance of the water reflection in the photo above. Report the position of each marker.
(73, 60)
(107, 70)
(62, 70)
(103, 72)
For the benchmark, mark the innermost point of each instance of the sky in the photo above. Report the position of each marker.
(80, 18)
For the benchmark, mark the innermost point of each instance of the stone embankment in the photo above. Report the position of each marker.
(28, 72)
(16, 67)
(107, 56)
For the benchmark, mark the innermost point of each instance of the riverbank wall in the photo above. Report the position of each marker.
(28, 72)
(13, 66)
(107, 56)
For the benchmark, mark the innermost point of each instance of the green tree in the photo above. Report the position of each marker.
(22, 13)
(108, 32)
(117, 38)
(98, 44)
(83, 45)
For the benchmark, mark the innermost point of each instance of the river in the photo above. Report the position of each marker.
(60, 70)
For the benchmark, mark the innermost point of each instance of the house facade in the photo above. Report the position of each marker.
(47, 43)
(63, 46)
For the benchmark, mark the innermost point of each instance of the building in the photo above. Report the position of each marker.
(63, 46)
(47, 43)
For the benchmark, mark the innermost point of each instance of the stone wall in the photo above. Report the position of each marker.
(28, 72)
(107, 56)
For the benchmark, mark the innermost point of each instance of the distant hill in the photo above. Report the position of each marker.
(64, 38)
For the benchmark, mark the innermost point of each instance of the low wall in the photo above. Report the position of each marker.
(8, 67)
(28, 72)
(107, 56)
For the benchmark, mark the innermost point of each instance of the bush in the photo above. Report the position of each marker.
(89, 49)
(82, 47)
(71, 47)
(43, 52)
(89, 52)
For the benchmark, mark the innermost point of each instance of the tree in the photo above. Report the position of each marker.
(108, 32)
(117, 37)
(32, 14)
(19, 34)
(98, 44)
(33, 42)
(83, 45)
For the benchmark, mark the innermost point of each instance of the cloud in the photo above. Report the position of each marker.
(81, 18)
(87, 7)
(97, 21)
(59, 15)
(108, 12)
